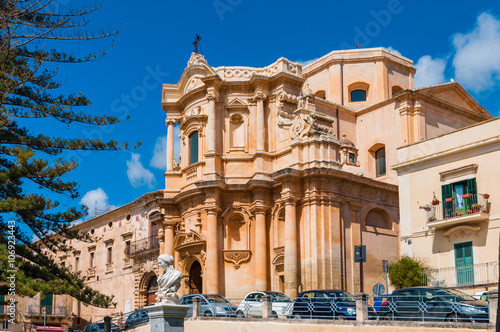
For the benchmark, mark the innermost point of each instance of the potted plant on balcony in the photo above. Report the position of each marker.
(449, 200)
(435, 201)
(446, 216)
(464, 196)
(432, 218)
(486, 196)
(468, 211)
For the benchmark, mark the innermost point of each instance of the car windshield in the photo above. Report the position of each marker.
(341, 296)
(216, 299)
(279, 297)
(453, 294)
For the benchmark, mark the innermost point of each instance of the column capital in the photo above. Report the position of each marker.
(259, 208)
(212, 209)
(212, 96)
(259, 96)
(170, 122)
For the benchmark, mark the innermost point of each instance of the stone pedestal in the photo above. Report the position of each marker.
(167, 317)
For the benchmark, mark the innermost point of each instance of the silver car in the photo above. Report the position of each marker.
(211, 305)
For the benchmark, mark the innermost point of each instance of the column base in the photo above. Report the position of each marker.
(167, 317)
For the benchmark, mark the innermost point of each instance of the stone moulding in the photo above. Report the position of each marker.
(237, 257)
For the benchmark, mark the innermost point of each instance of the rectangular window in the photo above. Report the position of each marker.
(92, 260)
(352, 159)
(127, 247)
(155, 241)
(110, 255)
(77, 264)
(193, 148)
(459, 198)
(380, 161)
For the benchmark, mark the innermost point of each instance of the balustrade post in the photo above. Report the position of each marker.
(266, 306)
(361, 307)
(196, 306)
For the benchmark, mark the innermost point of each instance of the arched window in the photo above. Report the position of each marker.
(380, 161)
(378, 218)
(193, 148)
(358, 95)
(321, 94)
(396, 90)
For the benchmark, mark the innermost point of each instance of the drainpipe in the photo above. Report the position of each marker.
(342, 83)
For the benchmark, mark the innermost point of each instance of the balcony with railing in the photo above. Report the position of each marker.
(144, 246)
(467, 275)
(468, 208)
(51, 310)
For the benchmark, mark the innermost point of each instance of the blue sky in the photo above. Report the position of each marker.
(445, 39)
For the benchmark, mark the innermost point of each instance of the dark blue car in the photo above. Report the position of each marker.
(136, 318)
(327, 304)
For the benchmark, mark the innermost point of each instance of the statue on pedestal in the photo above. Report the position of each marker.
(169, 281)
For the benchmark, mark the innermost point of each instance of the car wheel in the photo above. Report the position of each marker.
(207, 313)
(453, 318)
(387, 316)
(340, 317)
(274, 314)
(297, 316)
(240, 314)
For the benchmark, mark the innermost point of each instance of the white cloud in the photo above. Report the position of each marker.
(96, 201)
(137, 174)
(307, 62)
(159, 159)
(393, 50)
(429, 71)
(477, 58)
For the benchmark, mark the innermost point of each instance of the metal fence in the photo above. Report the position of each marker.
(468, 275)
(51, 310)
(427, 306)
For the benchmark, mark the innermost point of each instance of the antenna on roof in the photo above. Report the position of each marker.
(197, 43)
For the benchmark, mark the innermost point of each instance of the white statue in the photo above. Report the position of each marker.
(169, 281)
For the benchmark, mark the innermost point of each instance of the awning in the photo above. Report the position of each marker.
(49, 328)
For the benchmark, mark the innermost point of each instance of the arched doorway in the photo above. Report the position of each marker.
(152, 289)
(195, 280)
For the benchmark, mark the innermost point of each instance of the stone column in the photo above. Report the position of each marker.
(170, 144)
(211, 273)
(290, 266)
(361, 307)
(493, 305)
(212, 97)
(169, 238)
(260, 250)
(260, 130)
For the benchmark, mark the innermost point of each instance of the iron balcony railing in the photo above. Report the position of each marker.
(467, 204)
(468, 275)
(145, 245)
(51, 310)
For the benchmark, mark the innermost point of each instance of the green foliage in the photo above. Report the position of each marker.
(29, 159)
(407, 272)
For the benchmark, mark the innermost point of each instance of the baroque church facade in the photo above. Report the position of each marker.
(283, 170)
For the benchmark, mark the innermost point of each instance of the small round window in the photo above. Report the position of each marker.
(92, 232)
(110, 225)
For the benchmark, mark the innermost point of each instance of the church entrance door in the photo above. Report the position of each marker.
(152, 289)
(195, 280)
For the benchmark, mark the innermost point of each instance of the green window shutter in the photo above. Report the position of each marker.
(2, 300)
(472, 189)
(47, 301)
(446, 191)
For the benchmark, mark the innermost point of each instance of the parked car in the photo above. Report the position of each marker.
(281, 305)
(327, 304)
(137, 317)
(211, 305)
(99, 327)
(483, 296)
(434, 303)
